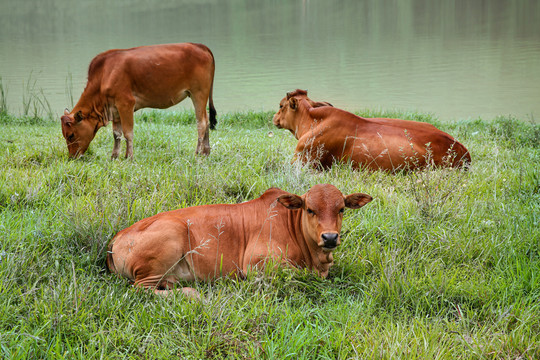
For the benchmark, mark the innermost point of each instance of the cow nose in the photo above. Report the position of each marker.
(330, 240)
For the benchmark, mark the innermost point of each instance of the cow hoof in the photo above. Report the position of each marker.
(187, 292)
(191, 293)
(204, 152)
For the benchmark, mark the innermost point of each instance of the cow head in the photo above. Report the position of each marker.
(78, 130)
(322, 212)
(286, 116)
(290, 107)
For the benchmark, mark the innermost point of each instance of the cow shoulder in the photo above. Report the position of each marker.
(100, 61)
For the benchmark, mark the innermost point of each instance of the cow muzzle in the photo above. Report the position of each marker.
(276, 121)
(330, 241)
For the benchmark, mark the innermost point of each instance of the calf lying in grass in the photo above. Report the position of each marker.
(209, 241)
(326, 135)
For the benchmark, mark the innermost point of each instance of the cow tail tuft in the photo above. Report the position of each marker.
(213, 120)
(213, 113)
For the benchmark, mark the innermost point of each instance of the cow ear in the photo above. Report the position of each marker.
(78, 116)
(357, 200)
(291, 201)
(293, 103)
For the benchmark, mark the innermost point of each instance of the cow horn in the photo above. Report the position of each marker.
(66, 111)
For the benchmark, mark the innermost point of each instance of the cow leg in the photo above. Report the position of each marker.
(125, 110)
(117, 134)
(164, 285)
(203, 143)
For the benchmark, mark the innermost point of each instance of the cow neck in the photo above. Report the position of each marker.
(92, 106)
(306, 123)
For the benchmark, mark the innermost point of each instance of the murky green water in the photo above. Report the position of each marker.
(457, 59)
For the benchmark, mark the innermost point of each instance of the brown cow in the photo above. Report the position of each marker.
(326, 134)
(205, 242)
(123, 81)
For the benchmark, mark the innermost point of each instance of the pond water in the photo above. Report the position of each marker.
(457, 59)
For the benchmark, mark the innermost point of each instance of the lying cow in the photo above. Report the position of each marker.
(205, 242)
(123, 81)
(326, 134)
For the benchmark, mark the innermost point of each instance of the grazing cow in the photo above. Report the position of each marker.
(209, 241)
(326, 134)
(123, 81)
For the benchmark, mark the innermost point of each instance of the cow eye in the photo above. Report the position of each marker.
(310, 212)
(342, 210)
(70, 137)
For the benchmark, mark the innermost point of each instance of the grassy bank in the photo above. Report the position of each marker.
(441, 265)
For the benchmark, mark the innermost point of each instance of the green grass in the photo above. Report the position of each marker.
(441, 265)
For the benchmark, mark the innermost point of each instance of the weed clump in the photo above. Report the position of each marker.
(510, 129)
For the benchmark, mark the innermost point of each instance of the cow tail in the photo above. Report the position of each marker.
(110, 261)
(463, 158)
(213, 120)
(466, 160)
(213, 113)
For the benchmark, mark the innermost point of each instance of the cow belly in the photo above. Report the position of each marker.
(159, 101)
(404, 151)
(212, 263)
(385, 153)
